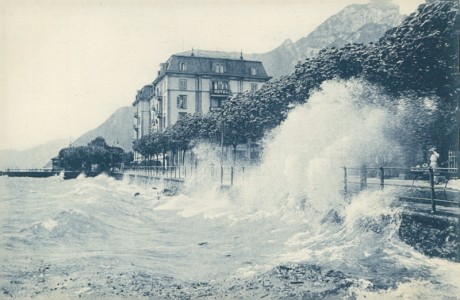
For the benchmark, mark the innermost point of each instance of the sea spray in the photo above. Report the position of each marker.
(302, 160)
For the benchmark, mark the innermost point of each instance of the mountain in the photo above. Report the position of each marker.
(36, 157)
(357, 23)
(117, 130)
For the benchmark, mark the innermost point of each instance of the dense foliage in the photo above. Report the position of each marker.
(413, 61)
(179, 138)
(96, 153)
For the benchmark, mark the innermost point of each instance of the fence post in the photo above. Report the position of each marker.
(345, 182)
(433, 194)
(363, 180)
(231, 176)
(221, 175)
(382, 178)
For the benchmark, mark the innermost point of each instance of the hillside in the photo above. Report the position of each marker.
(36, 157)
(117, 130)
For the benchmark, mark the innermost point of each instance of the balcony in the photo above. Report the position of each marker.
(215, 108)
(220, 92)
(158, 111)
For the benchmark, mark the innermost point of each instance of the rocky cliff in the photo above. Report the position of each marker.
(357, 23)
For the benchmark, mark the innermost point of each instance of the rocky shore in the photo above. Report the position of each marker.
(435, 235)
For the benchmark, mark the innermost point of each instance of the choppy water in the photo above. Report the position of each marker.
(283, 232)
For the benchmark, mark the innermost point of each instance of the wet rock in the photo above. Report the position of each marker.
(332, 217)
(169, 192)
(432, 235)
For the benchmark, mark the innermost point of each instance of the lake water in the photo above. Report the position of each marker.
(92, 237)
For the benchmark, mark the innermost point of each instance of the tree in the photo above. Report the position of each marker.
(414, 58)
(97, 152)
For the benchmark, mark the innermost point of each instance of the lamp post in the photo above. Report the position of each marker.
(222, 143)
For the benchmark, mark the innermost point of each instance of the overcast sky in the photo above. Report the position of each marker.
(65, 66)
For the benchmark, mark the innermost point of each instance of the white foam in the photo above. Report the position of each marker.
(49, 224)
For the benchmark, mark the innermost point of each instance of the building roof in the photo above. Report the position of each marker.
(207, 62)
(211, 54)
(144, 94)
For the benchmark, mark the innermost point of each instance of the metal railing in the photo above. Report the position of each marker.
(427, 178)
(30, 170)
(225, 175)
(176, 172)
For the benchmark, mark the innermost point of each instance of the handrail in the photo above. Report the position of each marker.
(224, 174)
(402, 168)
(30, 170)
(382, 183)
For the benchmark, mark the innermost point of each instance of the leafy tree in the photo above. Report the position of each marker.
(96, 152)
(415, 59)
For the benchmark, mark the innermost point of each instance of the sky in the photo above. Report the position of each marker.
(66, 66)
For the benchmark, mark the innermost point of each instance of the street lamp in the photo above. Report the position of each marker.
(221, 143)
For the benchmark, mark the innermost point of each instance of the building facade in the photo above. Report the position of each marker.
(142, 114)
(193, 82)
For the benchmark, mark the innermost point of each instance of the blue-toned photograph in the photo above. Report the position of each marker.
(263, 149)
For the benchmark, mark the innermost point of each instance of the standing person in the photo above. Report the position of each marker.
(434, 163)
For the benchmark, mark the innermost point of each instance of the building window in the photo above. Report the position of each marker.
(182, 115)
(216, 103)
(253, 87)
(240, 87)
(183, 84)
(182, 66)
(182, 101)
(218, 68)
(253, 71)
(220, 87)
